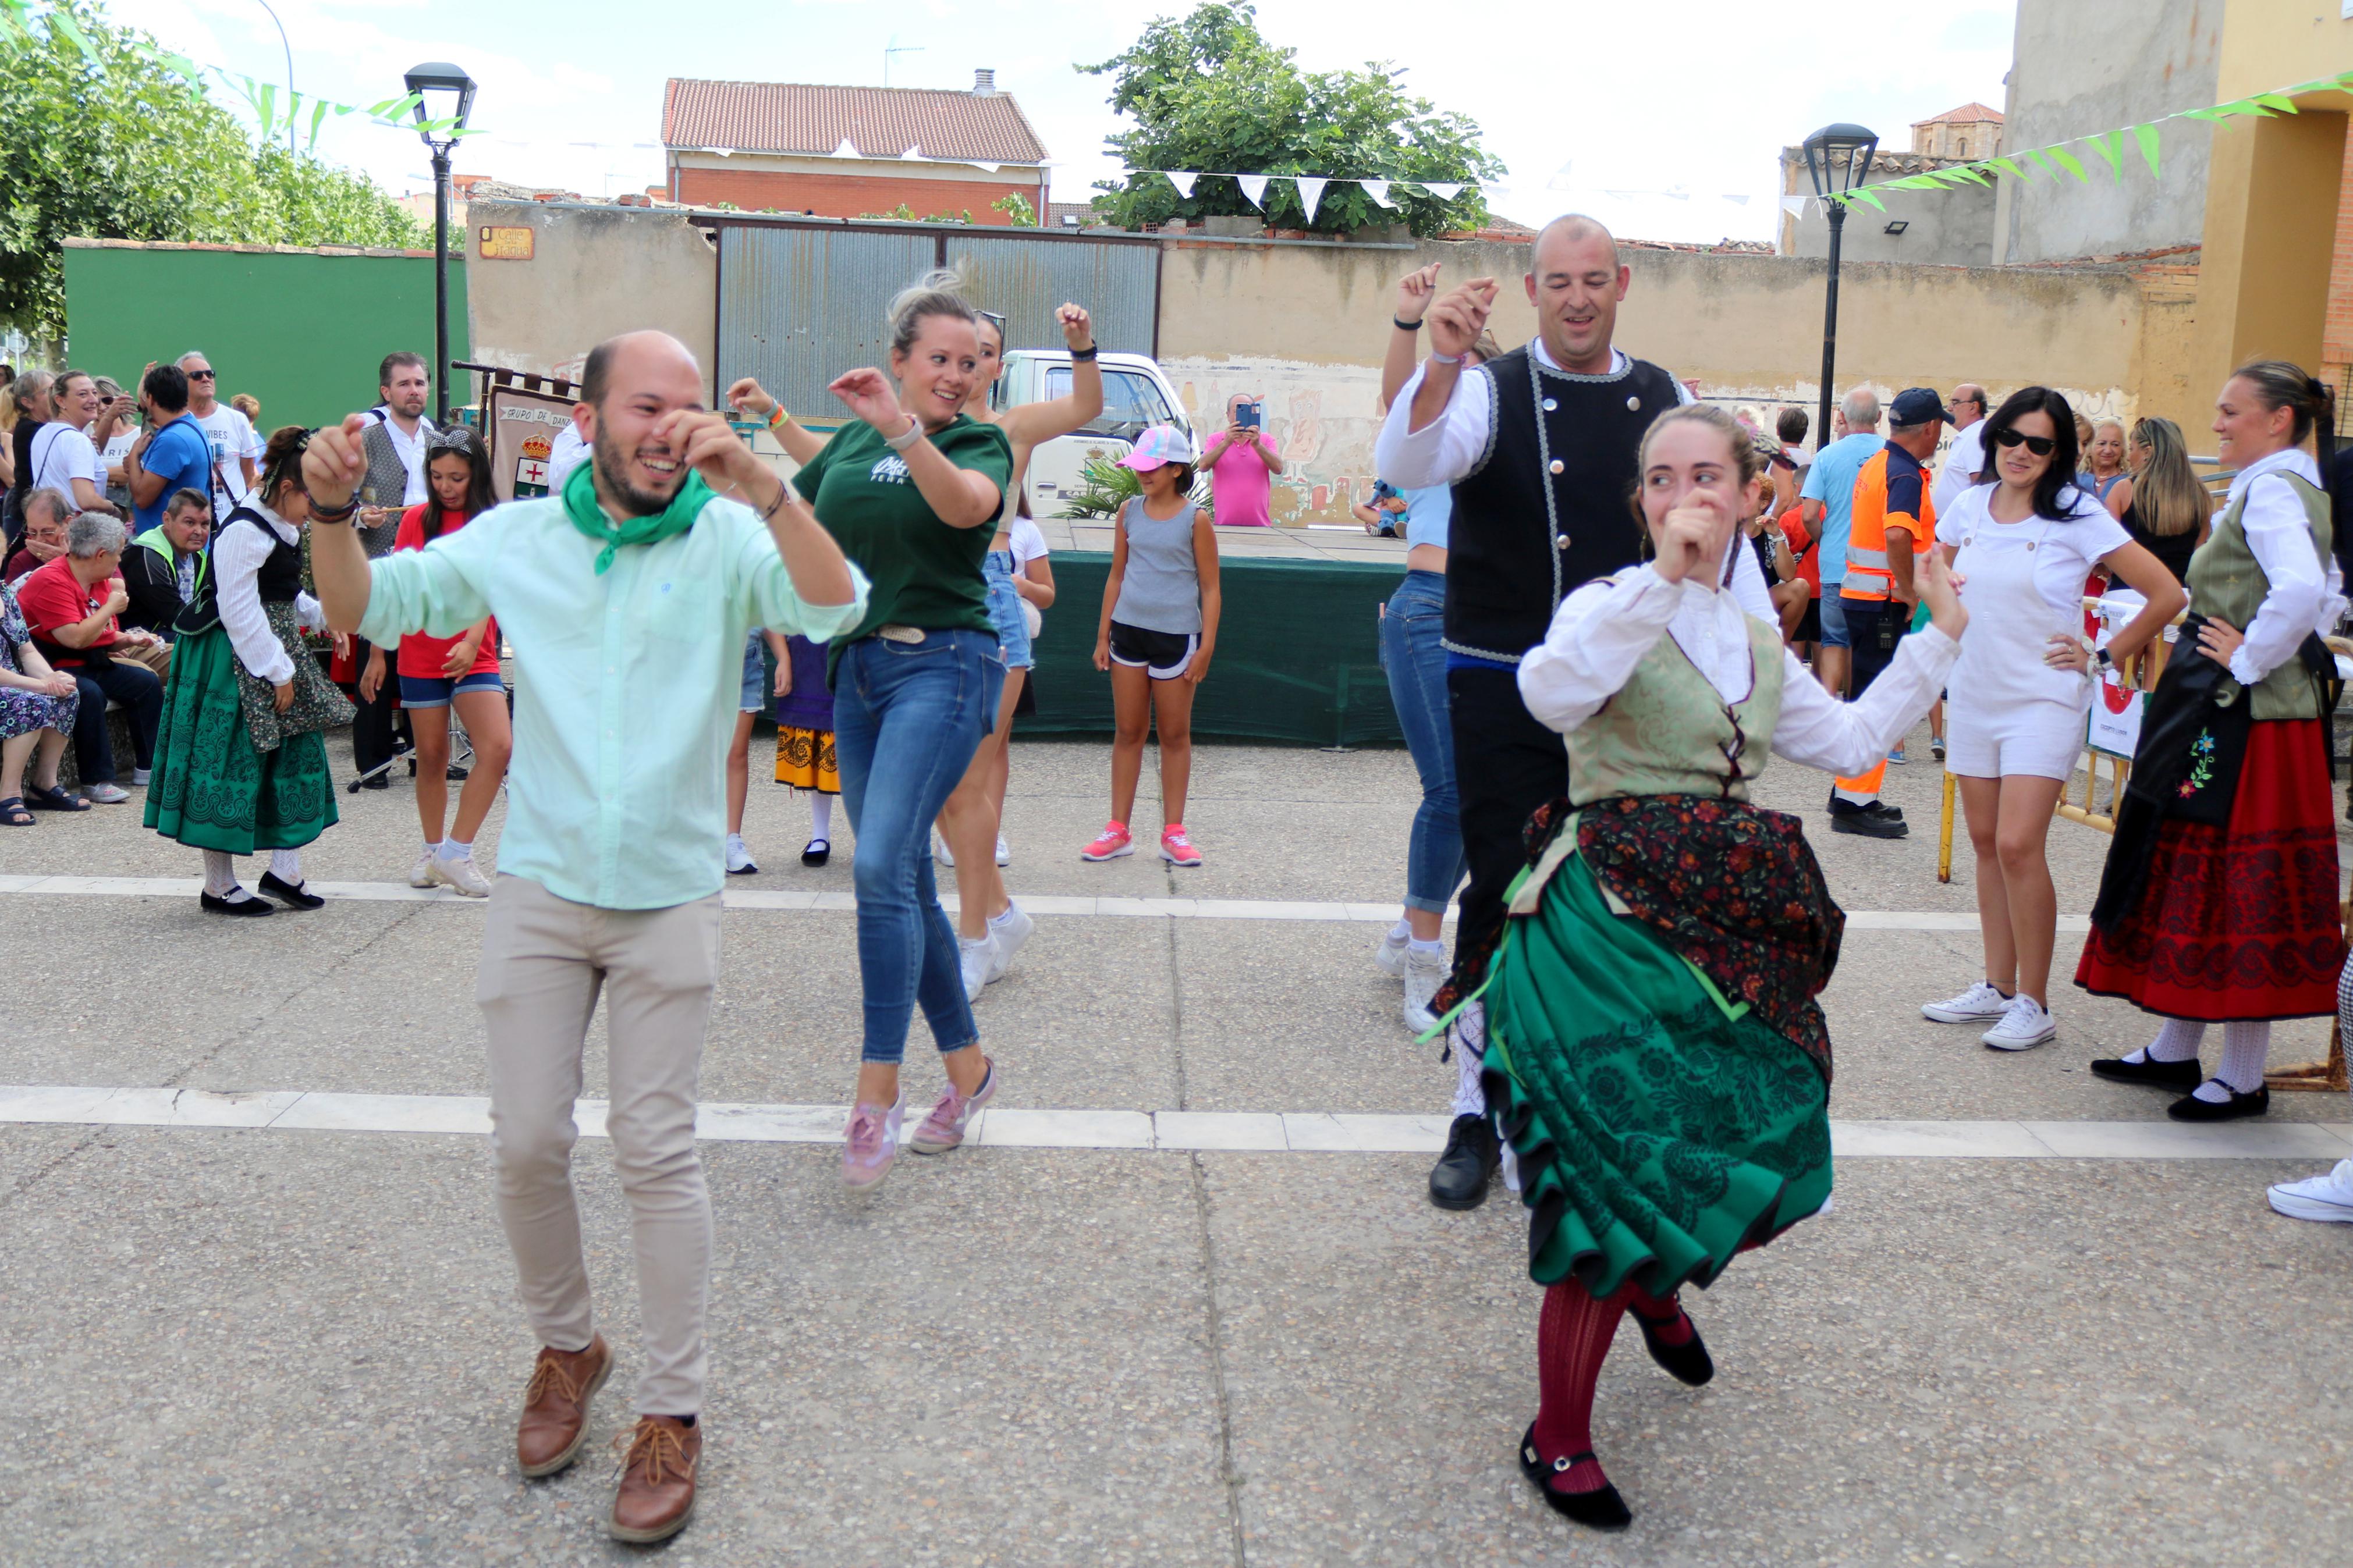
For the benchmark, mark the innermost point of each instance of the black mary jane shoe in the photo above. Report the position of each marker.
(293, 895)
(2183, 1075)
(1460, 1177)
(1686, 1362)
(2190, 1108)
(1600, 1509)
(818, 852)
(248, 905)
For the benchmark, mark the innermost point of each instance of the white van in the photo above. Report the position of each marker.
(1135, 394)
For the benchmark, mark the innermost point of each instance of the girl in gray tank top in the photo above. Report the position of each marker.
(1160, 591)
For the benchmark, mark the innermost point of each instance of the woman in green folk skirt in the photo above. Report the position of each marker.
(240, 762)
(1655, 1055)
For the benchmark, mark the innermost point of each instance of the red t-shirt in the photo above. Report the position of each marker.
(1802, 546)
(420, 656)
(52, 596)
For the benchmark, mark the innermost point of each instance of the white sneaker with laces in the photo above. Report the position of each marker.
(421, 873)
(1006, 933)
(739, 858)
(1004, 852)
(1423, 976)
(939, 852)
(1979, 1003)
(975, 954)
(2323, 1197)
(2024, 1024)
(462, 876)
(1389, 956)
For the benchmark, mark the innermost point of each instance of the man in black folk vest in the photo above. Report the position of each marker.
(1540, 447)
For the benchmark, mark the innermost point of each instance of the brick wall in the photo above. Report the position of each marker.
(2337, 332)
(847, 195)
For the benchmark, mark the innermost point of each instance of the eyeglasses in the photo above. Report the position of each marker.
(202, 374)
(2041, 446)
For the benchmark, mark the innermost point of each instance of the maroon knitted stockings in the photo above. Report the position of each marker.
(1573, 1337)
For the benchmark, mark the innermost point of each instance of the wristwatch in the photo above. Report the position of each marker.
(2102, 661)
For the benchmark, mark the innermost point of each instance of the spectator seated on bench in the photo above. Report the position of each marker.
(70, 605)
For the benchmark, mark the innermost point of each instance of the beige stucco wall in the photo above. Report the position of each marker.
(596, 271)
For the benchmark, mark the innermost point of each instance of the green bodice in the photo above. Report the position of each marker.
(2227, 583)
(1668, 731)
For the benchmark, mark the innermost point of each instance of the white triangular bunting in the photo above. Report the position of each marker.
(1253, 189)
(1443, 193)
(1795, 205)
(1377, 189)
(1183, 179)
(1311, 192)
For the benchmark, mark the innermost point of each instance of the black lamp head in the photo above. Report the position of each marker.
(1839, 157)
(441, 76)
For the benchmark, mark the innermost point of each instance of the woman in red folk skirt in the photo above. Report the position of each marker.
(2219, 902)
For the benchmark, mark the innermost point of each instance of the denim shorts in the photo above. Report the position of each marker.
(435, 691)
(1005, 611)
(1834, 632)
(756, 676)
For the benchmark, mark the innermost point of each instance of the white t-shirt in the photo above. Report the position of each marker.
(567, 454)
(231, 436)
(110, 454)
(1965, 457)
(1027, 540)
(2018, 597)
(61, 455)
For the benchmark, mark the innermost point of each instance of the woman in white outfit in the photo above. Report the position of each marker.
(2021, 548)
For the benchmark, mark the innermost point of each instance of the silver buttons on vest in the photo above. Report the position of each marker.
(1635, 403)
(1550, 404)
(1557, 465)
(1563, 541)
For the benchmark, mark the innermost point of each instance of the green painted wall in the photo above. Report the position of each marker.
(302, 332)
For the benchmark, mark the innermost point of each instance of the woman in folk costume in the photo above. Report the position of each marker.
(1654, 1050)
(2218, 903)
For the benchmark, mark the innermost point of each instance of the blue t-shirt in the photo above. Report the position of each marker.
(1831, 482)
(182, 456)
(1428, 512)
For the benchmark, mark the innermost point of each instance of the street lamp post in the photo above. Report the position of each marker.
(1839, 159)
(429, 82)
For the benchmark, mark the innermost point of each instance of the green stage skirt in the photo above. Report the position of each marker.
(211, 788)
(1659, 1128)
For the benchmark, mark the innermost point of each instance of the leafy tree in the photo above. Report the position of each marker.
(131, 148)
(1209, 92)
(1016, 206)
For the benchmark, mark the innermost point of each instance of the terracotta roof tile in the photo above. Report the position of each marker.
(880, 121)
(1967, 114)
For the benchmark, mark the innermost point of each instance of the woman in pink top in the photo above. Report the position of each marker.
(1242, 463)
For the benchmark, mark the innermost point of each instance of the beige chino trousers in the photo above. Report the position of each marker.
(544, 960)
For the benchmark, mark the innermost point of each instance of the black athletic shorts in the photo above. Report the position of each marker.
(1809, 624)
(1163, 655)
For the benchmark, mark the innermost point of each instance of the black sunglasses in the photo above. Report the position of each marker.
(202, 374)
(2041, 446)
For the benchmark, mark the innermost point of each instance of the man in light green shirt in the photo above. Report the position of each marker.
(626, 599)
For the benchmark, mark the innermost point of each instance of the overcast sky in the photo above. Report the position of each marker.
(1652, 117)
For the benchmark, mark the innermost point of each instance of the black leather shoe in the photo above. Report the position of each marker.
(246, 906)
(1880, 809)
(1870, 825)
(378, 781)
(2190, 1108)
(817, 853)
(1686, 1362)
(1459, 1180)
(2185, 1074)
(293, 895)
(1601, 1508)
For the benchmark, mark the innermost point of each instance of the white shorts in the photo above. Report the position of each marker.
(2035, 737)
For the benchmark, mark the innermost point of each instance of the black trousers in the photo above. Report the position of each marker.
(371, 726)
(141, 693)
(1505, 766)
(1866, 622)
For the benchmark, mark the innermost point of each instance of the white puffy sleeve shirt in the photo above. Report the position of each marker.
(1601, 632)
(238, 556)
(2308, 593)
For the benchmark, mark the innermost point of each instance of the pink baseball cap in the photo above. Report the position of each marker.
(1159, 445)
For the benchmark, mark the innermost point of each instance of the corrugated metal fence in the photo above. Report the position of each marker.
(800, 304)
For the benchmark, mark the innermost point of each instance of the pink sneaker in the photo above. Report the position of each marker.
(1176, 847)
(943, 1130)
(873, 1145)
(1111, 844)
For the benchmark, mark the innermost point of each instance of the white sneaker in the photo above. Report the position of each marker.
(2327, 1197)
(1389, 956)
(421, 873)
(2024, 1024)
(140, 776)
(462, 876)
(1975, 1005)
(939, 852)
(738, 859)
(1423, 976)
(1006, 933)
(1003, 854)
(975, 954)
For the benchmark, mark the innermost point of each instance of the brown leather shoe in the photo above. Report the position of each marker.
(556, 1406)
(656, 1491)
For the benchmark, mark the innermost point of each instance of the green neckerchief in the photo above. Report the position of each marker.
(580, 505)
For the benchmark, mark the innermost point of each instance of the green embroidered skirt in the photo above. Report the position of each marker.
(211, 788)
(1658, 1128)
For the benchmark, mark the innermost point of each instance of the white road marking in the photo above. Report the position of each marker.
(1047, 904)
(1225, 1131)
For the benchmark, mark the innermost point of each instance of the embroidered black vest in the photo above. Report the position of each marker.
(1548, 506)
(278, 581)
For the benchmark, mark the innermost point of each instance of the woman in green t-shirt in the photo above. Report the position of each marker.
(910, 493)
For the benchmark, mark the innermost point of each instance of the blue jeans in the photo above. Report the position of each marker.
(907, 718)
(1416, 664)
(1834, 631)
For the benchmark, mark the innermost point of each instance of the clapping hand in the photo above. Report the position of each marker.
(1940, 590)
(1459, 316)
(866, 393)
(1416, 289)
(1078, 328)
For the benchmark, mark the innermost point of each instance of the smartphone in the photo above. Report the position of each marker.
(1248, 415)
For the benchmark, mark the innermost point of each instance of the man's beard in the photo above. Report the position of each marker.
(613, 467)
